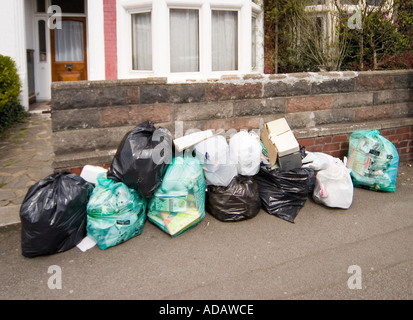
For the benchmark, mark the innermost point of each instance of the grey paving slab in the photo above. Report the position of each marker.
(26, 156)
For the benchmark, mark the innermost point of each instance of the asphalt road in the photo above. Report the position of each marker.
(263, 258)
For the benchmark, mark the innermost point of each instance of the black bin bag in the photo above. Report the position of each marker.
(53, 214)
(284, 193)
(142, 158)
(238, 201)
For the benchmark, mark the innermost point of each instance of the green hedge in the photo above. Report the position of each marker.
(11, 111)
(12, 114)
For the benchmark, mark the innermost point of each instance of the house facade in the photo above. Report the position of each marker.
(58, 40)
(326, 13)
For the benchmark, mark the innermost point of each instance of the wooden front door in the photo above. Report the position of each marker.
(68, 48)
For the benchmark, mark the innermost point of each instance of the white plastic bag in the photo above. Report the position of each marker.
(222, 177)
(213, 154)
(317, 160)
(245, 151)
(334, 186)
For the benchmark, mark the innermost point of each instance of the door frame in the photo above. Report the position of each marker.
(52, 46)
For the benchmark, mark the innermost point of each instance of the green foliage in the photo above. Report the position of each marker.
(403, 20)
(9, 82)
(11, 111)
(282, 20)
(11, 114)
(294, 43)
(384, 40)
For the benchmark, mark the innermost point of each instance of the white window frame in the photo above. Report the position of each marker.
(130, 49)
(124, 13)
(196, 6)
(239, 44)
(258, 13)
(323, 17)
(254, 63)
(161, 63)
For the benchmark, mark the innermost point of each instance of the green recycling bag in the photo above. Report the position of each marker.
(373, 161)
(115, 213)
(179, 203)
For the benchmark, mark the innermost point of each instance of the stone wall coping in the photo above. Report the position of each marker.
(385, 72)
(105, 83)
(234, 79)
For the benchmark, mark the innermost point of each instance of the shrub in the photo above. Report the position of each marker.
(11, 114)
(11, 110)
(9, 82)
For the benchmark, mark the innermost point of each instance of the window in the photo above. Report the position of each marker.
(40, 6)
(317, 2)
(69, 41)
(321, 28)
(72, 6)
(184, 40)
(189, 39)
(350, 1)
(374, 2)
(224, 40)
(42, 40)
(141, 41)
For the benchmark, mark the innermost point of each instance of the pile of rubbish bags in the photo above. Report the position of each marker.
(172, 183)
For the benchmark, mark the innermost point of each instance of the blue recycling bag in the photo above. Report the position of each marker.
(115, 213)
(373, 161)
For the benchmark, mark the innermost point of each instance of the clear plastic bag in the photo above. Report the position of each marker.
(115, 213)
(179, 203)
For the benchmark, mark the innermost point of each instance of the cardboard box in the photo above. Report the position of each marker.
(278, 139)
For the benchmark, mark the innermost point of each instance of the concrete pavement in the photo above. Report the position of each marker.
(262, 258)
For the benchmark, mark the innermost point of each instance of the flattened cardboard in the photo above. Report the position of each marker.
(269, 146)
(192, 139)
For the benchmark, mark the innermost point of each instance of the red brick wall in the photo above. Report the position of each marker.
(111, 54)
(337, 146)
